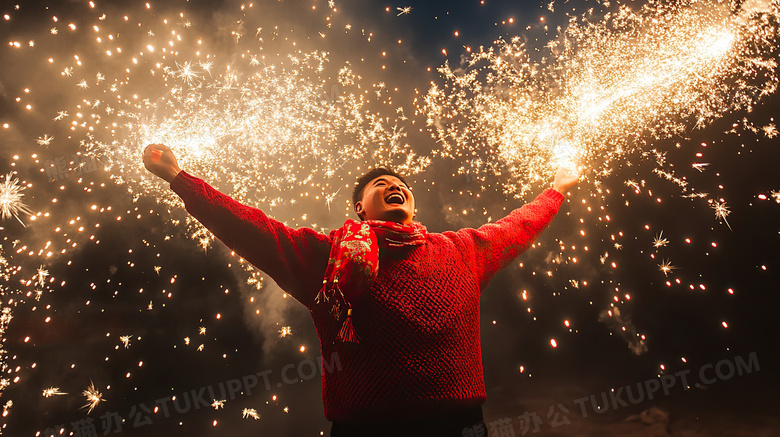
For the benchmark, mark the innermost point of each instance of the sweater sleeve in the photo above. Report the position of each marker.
(295, 258)
(494, 245)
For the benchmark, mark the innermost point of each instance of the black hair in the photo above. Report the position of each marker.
(357, 192)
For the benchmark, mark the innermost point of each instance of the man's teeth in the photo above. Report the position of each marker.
(395, 198)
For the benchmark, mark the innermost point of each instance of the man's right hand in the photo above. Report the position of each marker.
(159, 160)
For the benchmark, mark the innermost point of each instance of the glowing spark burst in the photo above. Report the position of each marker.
(11, 195)
(52, 391)
(695, 195)
(41, 276)
(770, 130)
(776, 195)
(721, 211)
(93, 397)
(202, 330)
(285, 331)
(206, 66)
(125, 339)
(250, 412)
(659, 241)
(218, 404)
(700, 166)
(601, 85)
(404, 10)
(44, 140)
(666, 267)
(186, 72)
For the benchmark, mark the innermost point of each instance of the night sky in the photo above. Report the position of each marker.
(121, 261)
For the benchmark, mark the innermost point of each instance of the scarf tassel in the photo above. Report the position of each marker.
(321, 296)
(347, 333)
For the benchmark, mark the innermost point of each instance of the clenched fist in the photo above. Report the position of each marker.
(564, 180)
(159, 160)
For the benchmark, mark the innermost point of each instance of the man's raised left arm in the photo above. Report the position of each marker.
(495, 245)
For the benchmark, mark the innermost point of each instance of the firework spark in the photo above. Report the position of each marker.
(41, 276)
(660, 241)
(721, 211)
(52, 391)
(666, 267)
(44, 140)
(93, 397)
(11, 195)
(250, 412)
(404, 10)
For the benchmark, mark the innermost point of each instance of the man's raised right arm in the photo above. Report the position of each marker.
(294, 258)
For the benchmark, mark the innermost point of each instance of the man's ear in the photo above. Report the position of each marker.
(359, 209)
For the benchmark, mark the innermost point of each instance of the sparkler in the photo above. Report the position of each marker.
(284, 126)
(601, 85)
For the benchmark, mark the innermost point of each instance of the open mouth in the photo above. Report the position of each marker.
(395, 199)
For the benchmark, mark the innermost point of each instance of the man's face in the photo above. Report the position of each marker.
(386, 198)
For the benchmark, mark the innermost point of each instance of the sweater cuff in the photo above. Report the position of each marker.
(183, 183)
(553, 195)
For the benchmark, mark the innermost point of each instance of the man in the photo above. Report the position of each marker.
(397, 305)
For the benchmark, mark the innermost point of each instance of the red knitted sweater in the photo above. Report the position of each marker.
(419, 352)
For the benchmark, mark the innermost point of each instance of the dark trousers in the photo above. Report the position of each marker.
(468, 423)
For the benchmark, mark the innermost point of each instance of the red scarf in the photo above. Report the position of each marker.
(354, 262)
